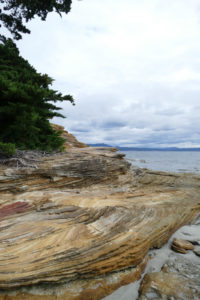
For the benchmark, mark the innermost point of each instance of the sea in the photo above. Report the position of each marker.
(167, 161)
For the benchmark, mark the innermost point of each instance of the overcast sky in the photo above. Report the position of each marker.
(132, 66)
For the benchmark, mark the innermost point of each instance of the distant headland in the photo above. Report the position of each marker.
(144, 148)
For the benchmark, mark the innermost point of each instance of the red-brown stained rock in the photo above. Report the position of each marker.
(14, 208)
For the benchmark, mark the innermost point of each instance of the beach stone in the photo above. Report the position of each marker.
(181, 246)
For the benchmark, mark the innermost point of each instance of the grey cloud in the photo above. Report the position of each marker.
(113, 124)
(174, 111)
(164, 129)
(79, 130)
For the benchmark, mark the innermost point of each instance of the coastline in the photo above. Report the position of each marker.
(81, 223)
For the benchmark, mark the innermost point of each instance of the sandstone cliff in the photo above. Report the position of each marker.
(80, 223)
(70, 140)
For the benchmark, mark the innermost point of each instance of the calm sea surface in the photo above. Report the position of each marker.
(169, 161)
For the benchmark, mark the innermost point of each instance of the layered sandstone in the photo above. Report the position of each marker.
(80, 224)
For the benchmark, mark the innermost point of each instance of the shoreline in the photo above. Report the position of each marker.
(81, 223)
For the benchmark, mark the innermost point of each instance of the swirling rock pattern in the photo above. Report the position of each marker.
(81, 223)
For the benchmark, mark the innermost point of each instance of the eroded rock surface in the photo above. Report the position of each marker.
(80, 224)
(178, 280)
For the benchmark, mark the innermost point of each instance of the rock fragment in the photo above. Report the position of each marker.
(181, 246)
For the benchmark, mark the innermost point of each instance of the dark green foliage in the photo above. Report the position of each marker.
(26, 100)
(7, 149)
(14, 12)
(26, 103)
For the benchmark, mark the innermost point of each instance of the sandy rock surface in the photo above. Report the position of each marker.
(81, 224)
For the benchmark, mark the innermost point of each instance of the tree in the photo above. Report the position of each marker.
(26, 102)
(13, 13)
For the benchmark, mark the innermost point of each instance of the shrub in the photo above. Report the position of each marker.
(7, 149)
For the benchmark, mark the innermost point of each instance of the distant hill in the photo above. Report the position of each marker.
(100, 145)
(144, 149)
(156, 149)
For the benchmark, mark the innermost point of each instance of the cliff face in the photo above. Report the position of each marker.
(80, 224)
(70, 140)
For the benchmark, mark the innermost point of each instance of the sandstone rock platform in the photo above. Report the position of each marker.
(81, 223)
(178, 279)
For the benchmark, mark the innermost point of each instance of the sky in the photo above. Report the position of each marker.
(132, 66)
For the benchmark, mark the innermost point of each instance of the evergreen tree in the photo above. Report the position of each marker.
(13, 13)
(26, 102)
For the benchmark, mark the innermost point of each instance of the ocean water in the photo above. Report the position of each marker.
(168, 161)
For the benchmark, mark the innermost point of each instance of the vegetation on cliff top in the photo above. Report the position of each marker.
(27, 102)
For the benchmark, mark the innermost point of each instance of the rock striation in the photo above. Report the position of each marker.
(80, 223)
